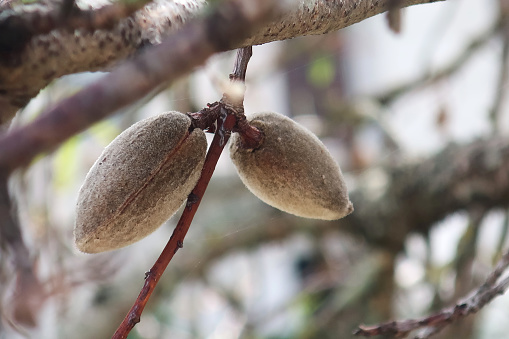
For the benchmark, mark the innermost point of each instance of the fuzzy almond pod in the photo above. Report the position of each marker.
(291, 170)
(139, 181)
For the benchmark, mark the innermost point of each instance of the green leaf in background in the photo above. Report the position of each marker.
(66, 160)
(321, 72)
(65, 163)
(104, 132)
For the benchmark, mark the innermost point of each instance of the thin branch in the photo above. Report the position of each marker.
(502, 81)
(226, 122)
(241, 61)
(502, 237)
(466, 248)
(394, 16)
(27, 296)
(436, 322)
(190, 47)
(234, 95)
(251, 137)
(177, 238)
(452, 67)
(205, 118)
(11, 238)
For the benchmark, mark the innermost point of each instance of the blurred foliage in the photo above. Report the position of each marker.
(321, 72)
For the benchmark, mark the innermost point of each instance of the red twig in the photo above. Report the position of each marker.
(205, 118)
(226, 113)
(225, 124)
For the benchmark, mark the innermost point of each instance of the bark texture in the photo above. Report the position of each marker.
(28, 66)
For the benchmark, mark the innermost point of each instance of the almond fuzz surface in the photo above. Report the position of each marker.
(291, 170)
(139, 181)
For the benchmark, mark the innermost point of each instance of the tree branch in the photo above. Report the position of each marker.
(473, 176)
(11, 238)
(18, 30)
(452, 67)
(177, 238)
(23, 73)
(180, 53)
(419, 195)
(226, 121)
(27, 297)
(436, 322)
(416, 197)
(504, 68)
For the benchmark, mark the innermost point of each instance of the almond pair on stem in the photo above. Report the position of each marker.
(146, 173)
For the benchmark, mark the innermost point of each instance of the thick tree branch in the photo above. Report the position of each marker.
(18, 30)
(179, 54)
(23, 73)
(417, 196)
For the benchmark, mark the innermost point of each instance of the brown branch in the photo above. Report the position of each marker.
(177, 238)
(46, 57)
(233, 96)
(190, 47)
(421, 194)
(241, 61)
(393, 16)
(436, 322)
(11, 238)
(226, 121)
(417, 196)
(206, 117)
(18, 30)
(452, 67)
(496, 109)
(28, 296)
(250, 135)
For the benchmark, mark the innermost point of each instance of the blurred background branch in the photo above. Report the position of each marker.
(28, 65)
(423, 145)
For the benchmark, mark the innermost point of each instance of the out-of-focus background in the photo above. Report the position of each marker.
(376, 99)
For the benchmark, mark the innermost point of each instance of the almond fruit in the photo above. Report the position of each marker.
(139, 181)
(291, 169)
